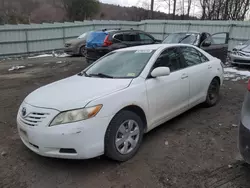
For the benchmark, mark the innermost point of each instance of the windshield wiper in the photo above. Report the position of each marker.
(101, 75)
(183, 38)
(83, 73)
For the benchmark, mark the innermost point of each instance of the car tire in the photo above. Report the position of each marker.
(83, 51)
(213, 93)
(123, 136)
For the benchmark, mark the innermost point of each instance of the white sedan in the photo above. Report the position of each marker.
(107, 108)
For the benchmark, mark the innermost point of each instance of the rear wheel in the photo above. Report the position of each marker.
(213, 93)
(124, 136)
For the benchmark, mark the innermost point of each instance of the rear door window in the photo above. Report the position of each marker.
(192, 56)
(119, 37)
(145, 38)
(131, 37)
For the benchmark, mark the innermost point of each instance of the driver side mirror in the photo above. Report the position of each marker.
(206, 43)
(160, 71)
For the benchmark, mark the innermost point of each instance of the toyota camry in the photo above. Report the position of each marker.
(109, 106)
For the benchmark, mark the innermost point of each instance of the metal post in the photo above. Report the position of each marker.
(27, 41)
(63, 35)
(189, 25)
(163, 33)
(145, 27)
(230, 32)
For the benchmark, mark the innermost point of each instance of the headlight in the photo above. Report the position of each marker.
(76, 115)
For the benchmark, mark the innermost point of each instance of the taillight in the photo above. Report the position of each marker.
(248, 85)
(106, 41)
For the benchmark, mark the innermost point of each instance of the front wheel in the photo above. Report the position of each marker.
(83, 51)
(124, 136)
(213, 93)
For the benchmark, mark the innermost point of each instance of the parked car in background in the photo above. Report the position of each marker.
(215, 44)
(100, 43)
(107, 108)
(244, 127)
(240, 54)
(77, 46)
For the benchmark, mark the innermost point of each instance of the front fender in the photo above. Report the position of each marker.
(135, 94)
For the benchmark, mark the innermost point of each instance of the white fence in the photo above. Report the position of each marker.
(35, 38)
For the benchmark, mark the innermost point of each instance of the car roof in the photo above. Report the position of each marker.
(196, 32)
(129, 30)
(152, 47)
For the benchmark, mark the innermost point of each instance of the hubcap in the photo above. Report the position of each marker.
(84, 52)
(127, 137)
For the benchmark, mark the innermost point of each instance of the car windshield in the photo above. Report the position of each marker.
(121, 64)
(84, 35)
(247, 43)
(185, 38)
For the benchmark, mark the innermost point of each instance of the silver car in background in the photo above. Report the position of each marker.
(77, 46)
(240, 54)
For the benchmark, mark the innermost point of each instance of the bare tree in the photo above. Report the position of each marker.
(224, 9)
(80, 9)
(189, 2)
(174, 9)
(152, 9)
(15, 11)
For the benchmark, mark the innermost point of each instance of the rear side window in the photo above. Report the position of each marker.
(131, 37)
(203, 58)
(119, 37)
(145, 38)
(192, 56)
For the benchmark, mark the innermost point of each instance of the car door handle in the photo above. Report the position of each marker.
(184, 76)
(209, 66)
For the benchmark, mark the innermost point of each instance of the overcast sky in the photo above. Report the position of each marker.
(121, 2)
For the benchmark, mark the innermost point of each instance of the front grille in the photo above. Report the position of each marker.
(67, 45)
(34, 118)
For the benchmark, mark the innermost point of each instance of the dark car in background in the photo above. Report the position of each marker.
(100, 43)
(244, 127)
(215, 44)
(77, 46)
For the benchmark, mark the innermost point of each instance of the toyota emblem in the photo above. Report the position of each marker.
(24, 111)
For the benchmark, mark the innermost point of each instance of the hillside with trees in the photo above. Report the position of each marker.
(39, 11)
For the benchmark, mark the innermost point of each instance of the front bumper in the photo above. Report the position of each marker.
(240, 60)
(72, 50)
(79, 140)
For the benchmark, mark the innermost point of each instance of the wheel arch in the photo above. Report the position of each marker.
(138, 111)
(217, 78)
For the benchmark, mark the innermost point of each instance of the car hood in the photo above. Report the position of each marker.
(76, 41)
(244, 48)
(74, 92)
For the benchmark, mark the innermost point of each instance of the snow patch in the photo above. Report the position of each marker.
(62, 55)
(231, 73)
(50, 55)
(40, 56)
(239, 72)
(16, 68)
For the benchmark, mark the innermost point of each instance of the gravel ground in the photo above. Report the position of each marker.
(196, 149)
